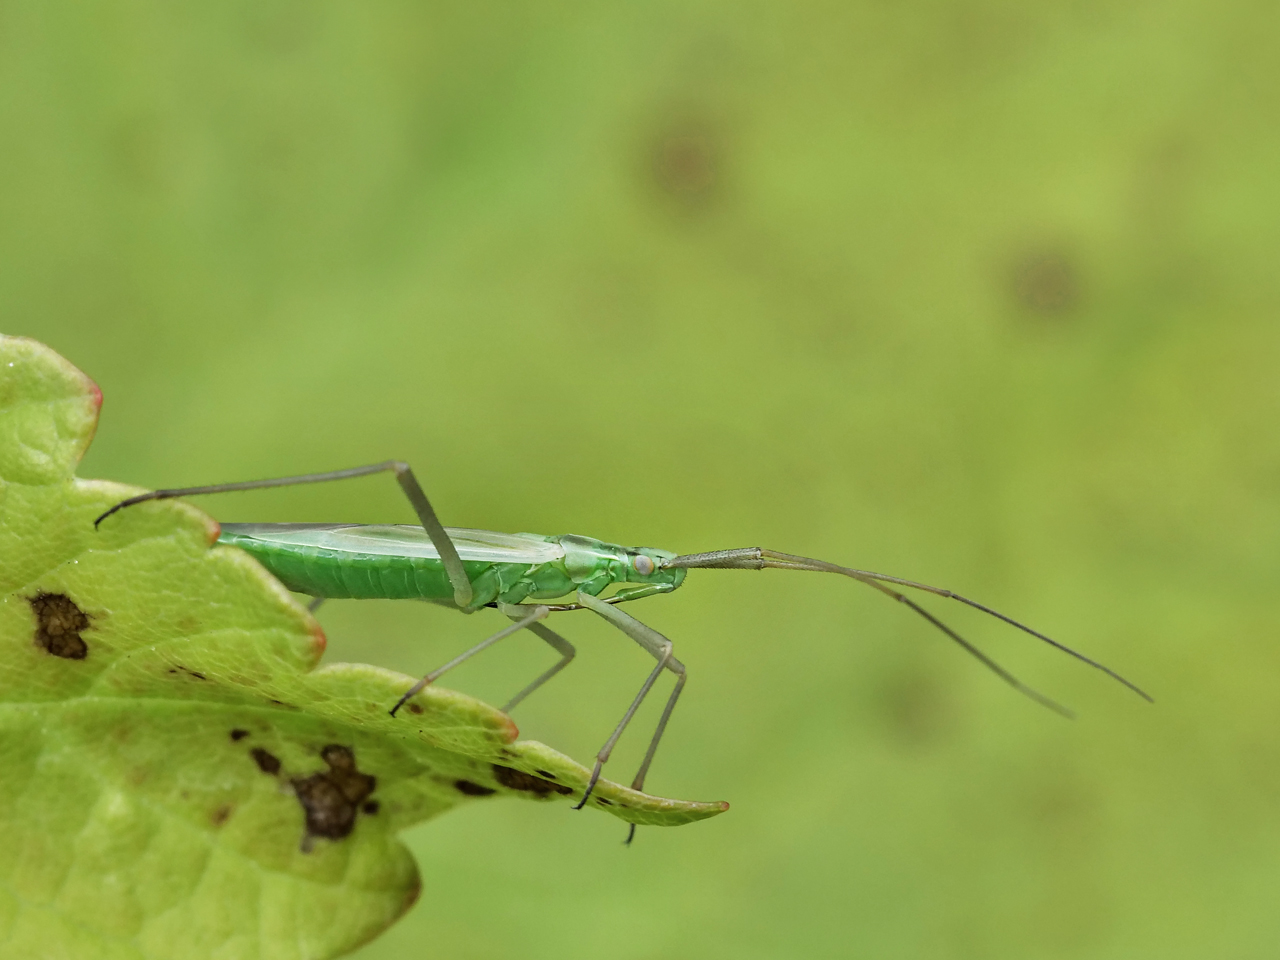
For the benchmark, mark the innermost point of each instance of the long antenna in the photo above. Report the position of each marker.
(757, 558)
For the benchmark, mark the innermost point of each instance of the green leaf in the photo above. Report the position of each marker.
(178, 777)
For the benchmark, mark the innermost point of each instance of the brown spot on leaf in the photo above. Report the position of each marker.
(603, 802)
(221, 815)
(519, 780)
(545, 773)
(414, 707)
(332, 798)
(194, 674)
(473, 789)
(267, 762)
(239, 734)
(59, 623)
(371, 807)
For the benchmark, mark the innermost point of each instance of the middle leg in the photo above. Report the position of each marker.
(523, 617)
(557, 643)
(525, 621)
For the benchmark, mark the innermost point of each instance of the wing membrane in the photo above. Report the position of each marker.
(402, 539)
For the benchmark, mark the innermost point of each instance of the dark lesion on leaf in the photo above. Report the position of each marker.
(59, 623)
(194, 674)
(239, 734)
(267, 762)
(332, 798)
(473, 789)
(519, 780)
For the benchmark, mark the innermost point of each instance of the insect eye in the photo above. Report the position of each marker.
(643, 565)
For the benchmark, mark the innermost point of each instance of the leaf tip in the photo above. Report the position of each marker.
(95, 394)
(319, 642)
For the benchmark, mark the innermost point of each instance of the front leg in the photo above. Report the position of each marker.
(660, 647)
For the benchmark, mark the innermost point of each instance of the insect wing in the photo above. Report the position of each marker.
(401, 540)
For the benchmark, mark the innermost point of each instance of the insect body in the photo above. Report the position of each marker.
(400, 562)
(517, 573)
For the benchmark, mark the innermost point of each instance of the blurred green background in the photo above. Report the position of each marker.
(981, 293)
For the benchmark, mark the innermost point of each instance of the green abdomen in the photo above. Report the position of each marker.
(337, 575)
